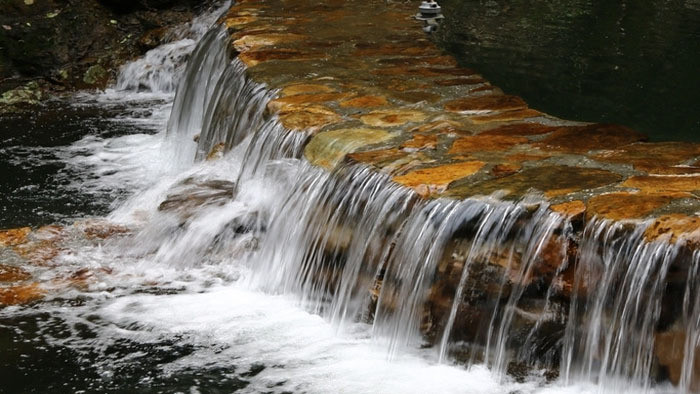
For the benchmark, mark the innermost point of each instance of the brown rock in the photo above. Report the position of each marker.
(253, 58)
(580, 139)
(417, 96)
(237, 21)
(485, 143)
(572, 209)
(669, 348)
(328, 148)
(364, 102)
(664, 183)
(505, 169)
(473, 80)
(308, 118)
(522, 129)
(305, 88)
(15, 236)
(104, 230)
(507, 116)
(675, 227)
(618, 206)
(9, 273)
(20, 294)
(292, 103)
(553, 180)
(479, 104)
(433, 180)
(377, 157)
(390, 118)
(651, 155)
(441, 126)
(421, 141)
(254, 41)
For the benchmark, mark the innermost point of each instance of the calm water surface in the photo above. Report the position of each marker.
(635, 63)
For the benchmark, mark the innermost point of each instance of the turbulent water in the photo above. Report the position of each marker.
(251, 272)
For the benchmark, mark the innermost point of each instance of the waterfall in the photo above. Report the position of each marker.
(481, 281)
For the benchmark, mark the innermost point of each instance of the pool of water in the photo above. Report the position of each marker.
(628, 62)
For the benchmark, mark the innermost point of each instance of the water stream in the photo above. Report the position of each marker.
(258, 272)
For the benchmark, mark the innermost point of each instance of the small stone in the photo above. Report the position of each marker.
(428, 181)
(674, 227)
(94, 75)
(9, 273)
(21, 294)
(390, 118)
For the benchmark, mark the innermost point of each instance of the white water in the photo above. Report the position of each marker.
(234, 278)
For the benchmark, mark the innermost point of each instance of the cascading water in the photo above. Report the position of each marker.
(231, 255)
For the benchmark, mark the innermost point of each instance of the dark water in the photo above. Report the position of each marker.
(37, 186)
(635, 63)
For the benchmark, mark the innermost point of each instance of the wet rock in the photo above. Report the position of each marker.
(485, 143)
(15, 236)
(193, 194)
(152, 38)
(420, 141)
(20, 294)
(674, 227)
(505, 169)
(664, 183)
(473, 80)
(306, 88)
(103, 230)
(506, 116)
(391, 118)
(364, 102)
(552, 180)
(253, 58)
(10, 273)
(574, 210)
(307, 118)
(580, 139)
(255, 41)
(297, 100)
(96, 75)
(379, 158)
(520, 129)
(652, 155)
(618, 206)
(428, 181)
(669, 348)
(479, 104)
(328, 148)
(216, 152)
(29, 94)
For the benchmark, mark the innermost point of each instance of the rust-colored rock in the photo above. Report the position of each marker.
(553, 180)
(669, 348)
(506, 116)
(505, 169)
(581, 139)
(485, 143)
(377, 157)
(20, 294)
(473, 80)
(674, 227)
(653, 155)
(479, 104)
(328, 148)
(664, 183)
(421, 141)
(104, 230)
(427, 181)
(253, 41)
(618, 206)
(365, 102)
(390, 118)
(306, 88)
(572, 209)
(10, 273)
(292, 102)
(307, 118)
(253, 58)
(15, 236)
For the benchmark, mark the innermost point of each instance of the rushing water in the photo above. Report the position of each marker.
(257, 272)
(631, 63)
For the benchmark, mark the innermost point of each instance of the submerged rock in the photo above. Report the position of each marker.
(328, 148)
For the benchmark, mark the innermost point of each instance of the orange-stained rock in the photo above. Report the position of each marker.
(552, 180)
(15, 236)
(307, 118)
(253, 41)
(580, 139)
(507, 116)
(675, 227)
(306, 88)
(427, 181)
(20, 294)
(364, 102)
(390, 118)
(237, 21)
(441, 126)
(421, 141)
(664, 183)
(479, 104)
(485, 143)
(618, 206)
(420, 61)
(416, 96)
(522, 129)
(505, 169)
(293, 102)
(530, 155)
(10, 273)
(253, 58)
(572, 209)
(656, 169)
(216, 152)
(328, 148)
